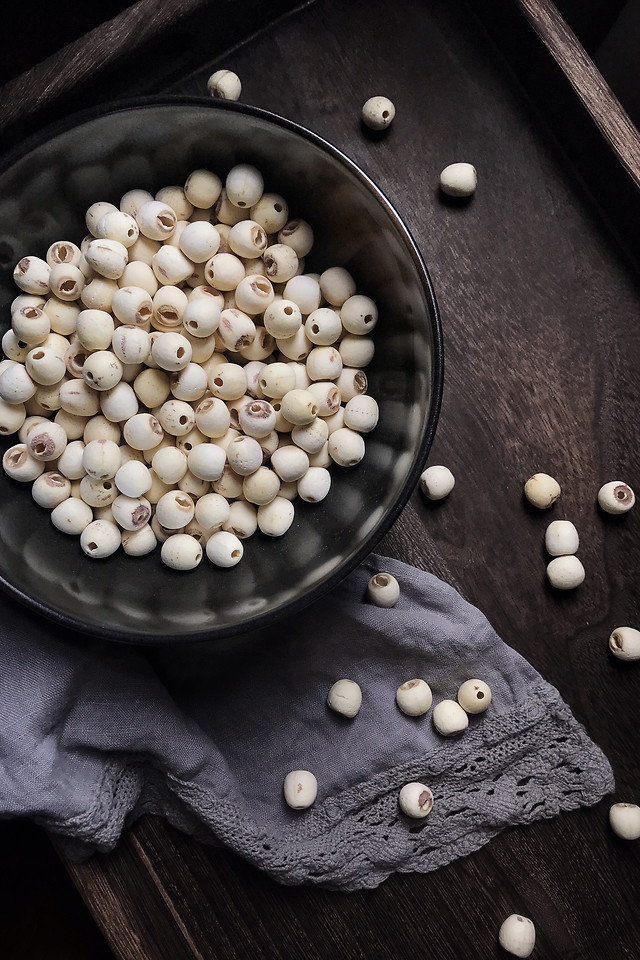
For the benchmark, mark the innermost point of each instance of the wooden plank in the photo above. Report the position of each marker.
(592, 90)
(567, 92)
(135, 53)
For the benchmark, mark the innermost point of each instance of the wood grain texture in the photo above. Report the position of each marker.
(589, 84)
(542, 347)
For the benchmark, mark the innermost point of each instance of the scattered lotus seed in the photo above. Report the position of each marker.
(474, 696)
(414, 697)
(624, 819)
(300, 789)
(449, 718)
(378, 113)
(561, 538)
(415, 800)
(517, 935)
(345, 697)
(383, 590)
(624, 643)
(565, 573)
(616, 497)
(459, 180)
(224, 85)
(437, 482)
(542, 491)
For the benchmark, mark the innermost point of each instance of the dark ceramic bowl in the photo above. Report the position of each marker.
(44, 191)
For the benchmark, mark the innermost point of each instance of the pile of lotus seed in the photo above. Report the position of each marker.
(413, 697)
(179, 377)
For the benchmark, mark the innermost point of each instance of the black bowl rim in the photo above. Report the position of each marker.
(329, 583)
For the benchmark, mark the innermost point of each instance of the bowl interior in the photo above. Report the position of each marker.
(44, 194)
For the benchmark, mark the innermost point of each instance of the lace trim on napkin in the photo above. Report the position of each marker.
(507, 770)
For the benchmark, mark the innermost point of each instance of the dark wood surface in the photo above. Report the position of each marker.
(540, 306)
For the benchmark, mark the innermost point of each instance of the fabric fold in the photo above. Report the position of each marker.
(94, 734)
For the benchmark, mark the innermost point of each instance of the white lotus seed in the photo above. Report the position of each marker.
(101, 459)
(361, 413)
(459, 180)
(437, 482)
(143, 431)
(30, 324)
(175, 509)
(20, 465)
(378, 113)
(50, 489)
(290, 463)
(561, 538)
(203, 187)
(119, 404)
(70, 461)
(156, 220)
(77, 397)
(280, 262)
(474, 696)
(16, 386)
(415, 800)
(616, 497)
(224, 549)
(383, 590)
(131, 513)
(253, 294)
(132, 478)
(100, 538)
(139, 543)
(311, 436)
(199, 241)
(107, 257)
(345, 697)
(171, 351)
(449, 718)
(271, 212)
(314, 485)
(95, 212)
(414, 697)
(120, 225)
(224, 85)
(624, 819)
(97, 493)
(356, 351)
(541, 490)
(66, 281)
(46, 441)
(305, 292)
(517, 935)
(181, 552)
(94, 329)
(72, 516)
(275, 518)
(300, 789)
(298, 235)
(12, 417)
(131, 344)
(565, 573)
(31, 274)
(346, 447)
(624, 643)
(244, 185)
(102, 370)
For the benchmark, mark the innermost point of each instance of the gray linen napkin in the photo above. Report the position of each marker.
(92, 734)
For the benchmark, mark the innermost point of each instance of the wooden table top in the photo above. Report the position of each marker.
(540, 306)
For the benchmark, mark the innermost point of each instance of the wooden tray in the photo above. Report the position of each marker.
(537, 283)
